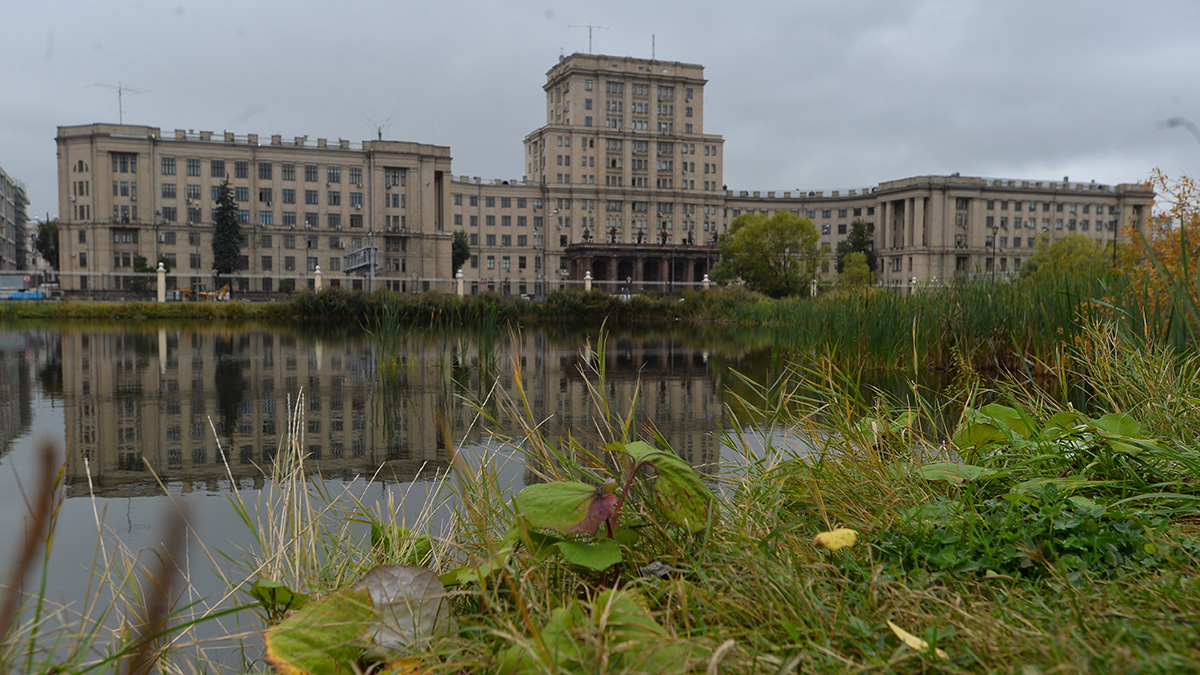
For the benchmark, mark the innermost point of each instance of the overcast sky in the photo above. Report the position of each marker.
(808, 94)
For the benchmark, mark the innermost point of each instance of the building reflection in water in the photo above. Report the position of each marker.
(146, 403)
(20, 354)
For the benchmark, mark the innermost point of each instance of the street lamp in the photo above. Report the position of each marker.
(540, 242)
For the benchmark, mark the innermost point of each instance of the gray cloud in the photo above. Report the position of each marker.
(810, 94)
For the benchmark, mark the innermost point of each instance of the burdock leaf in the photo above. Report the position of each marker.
(678, 492)
(1120, 424)
(952, 472)
(274, 594)
(565, 506)
(392, 538)
(1006, 416)
(410, 607)
(596, 555)
(323, 637)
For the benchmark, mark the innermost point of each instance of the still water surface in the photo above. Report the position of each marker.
(200, 407)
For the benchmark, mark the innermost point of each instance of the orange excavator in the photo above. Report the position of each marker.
(220, 294)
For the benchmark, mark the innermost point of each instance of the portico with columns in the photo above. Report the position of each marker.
(616, 266)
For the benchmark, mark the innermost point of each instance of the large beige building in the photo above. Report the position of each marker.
(622, 183)
(129, 190)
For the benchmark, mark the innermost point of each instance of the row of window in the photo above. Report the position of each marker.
(505, 221)
(1031, 223)
(393, 176)
(1072, 207)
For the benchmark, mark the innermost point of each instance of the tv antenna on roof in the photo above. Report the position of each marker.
(121, 90)
(379, 128)
(589, 27)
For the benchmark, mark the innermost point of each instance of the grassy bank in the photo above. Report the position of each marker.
(1023, 325)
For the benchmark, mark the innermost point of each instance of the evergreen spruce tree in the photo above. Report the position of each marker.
(227, 235)
(858, 240)
(460, 250)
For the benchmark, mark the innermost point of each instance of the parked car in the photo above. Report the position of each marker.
(31, 294)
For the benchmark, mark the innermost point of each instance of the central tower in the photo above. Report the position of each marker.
(623, 157)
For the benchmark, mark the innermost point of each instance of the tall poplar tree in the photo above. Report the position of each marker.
(227, 235)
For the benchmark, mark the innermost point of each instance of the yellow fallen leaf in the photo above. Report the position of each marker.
(913, 641)
(407, 667)
(843, 537)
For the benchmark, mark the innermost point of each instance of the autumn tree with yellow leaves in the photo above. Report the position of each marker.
(1161, 260)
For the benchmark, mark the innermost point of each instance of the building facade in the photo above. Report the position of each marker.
(128, 191)
(14, 244)
(622, 183)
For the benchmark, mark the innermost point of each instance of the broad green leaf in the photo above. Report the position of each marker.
(396, 537)
(1064, 484)
(613, 625)
(323, 637)
(411, 607)
(977, 434)
(596, 555)
(952, 472)
(565, 506)
(935, 511)
(273, 594)
(473, 573)
(1120, 424)
(1063, 420)
(622, 614)
(1122, 433)
(1006, 416)
(678, 492)
(876, 430)
(557, 637)
(541, 544)
(1085, 504)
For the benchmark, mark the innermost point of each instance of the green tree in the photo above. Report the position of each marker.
(858, 240)
(141, 284)
(776, 256)
(460, 250)
(1073, 254)
(47, 242)
(227, 235)
(855, 272)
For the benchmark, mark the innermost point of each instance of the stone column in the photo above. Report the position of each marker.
(458, 282)
(162, 283)
(885, 225)
(587, 281)
(919, 221)
(317, 279)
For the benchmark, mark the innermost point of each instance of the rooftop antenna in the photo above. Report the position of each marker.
(379, 128)
(652, 46)
(121, 90)
(589, 27)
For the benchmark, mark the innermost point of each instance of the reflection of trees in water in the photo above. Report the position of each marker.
(50, 373)
(228, 379)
